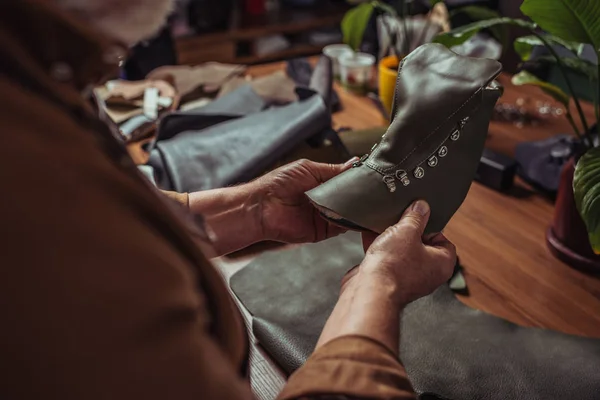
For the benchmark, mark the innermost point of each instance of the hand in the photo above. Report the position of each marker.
(401, 259)
(399, 267)
(285, 213)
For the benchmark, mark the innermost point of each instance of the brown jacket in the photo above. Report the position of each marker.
(105, 293)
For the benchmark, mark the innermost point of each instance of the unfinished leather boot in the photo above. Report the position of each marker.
(442, 108)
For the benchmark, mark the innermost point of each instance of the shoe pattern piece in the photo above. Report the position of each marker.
(442, 108)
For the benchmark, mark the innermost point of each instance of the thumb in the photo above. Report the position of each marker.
(327, 171)
(416, 216)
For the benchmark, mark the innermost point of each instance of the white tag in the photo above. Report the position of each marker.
(151, 103)
(165, 102)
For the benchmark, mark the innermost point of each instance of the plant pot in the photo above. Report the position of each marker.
(356, 70)
(567, 237)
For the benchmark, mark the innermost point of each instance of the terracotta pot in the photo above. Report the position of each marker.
(567, 237)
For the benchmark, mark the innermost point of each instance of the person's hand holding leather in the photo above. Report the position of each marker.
(272, 207)
(285, 213)
(406, 261)
(400, 266)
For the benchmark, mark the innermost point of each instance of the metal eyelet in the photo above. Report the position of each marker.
(419, 173)
(455, 135)
(433, 161)
(402, 176)
(390, 182)
(443, 151)
(360, 161)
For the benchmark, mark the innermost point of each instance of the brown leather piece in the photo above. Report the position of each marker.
(124, 100)
(186, 79)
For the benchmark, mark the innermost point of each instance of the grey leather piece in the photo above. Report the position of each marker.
(239, 103)
(436, 91)
(217, 151)
(462, 354)
(449, 350)
(321, 80)
(276, 302)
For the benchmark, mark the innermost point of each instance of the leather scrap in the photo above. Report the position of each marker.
(186, 79)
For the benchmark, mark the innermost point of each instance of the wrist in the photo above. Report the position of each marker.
(231, 214)
(378, 280)
(372, 287)
(367, 307)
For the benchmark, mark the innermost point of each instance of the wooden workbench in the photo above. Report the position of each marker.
(499, 237)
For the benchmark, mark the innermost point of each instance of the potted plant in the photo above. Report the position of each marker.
(570, 24)
(398, 33)
(354, 29)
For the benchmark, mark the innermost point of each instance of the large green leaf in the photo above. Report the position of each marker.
(460, 35)
(578, 65)
(527, 78)
(524, 45)
(478, 13)
(573, 20)
(354, 24)
(586, 188)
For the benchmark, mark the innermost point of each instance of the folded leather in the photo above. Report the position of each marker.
(221, 150)
(431, 149)
(449, 350)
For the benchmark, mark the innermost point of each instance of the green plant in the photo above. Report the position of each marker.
(571, 24)
(356, 20)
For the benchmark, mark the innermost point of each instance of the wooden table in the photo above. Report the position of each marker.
(500, 240)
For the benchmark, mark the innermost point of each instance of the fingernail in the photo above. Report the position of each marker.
(421, 207)
(351, 161)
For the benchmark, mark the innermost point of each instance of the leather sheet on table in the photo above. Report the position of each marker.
(450, 351)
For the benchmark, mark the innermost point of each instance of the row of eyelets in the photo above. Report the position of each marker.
(432, 162)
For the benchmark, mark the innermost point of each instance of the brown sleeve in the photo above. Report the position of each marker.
(97, 303)
(350, 367)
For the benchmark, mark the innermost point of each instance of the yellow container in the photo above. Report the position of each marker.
(388, 72)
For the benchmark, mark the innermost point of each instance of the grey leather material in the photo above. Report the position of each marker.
(488, 358)
(239, 103)
(321, 80)
(436, 91)
(449, 350)
(276, 302)
(218, 151)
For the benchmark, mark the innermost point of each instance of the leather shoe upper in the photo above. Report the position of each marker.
(431, 150)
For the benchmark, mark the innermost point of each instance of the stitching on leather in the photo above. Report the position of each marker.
(385, 171)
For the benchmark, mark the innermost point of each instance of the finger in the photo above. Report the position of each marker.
(432, 238)
(444, 262)
(416, 217)
(440, 240)
(429, 237)
(348, 276)
(443, 249)
(324, 172)
(351, 272)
